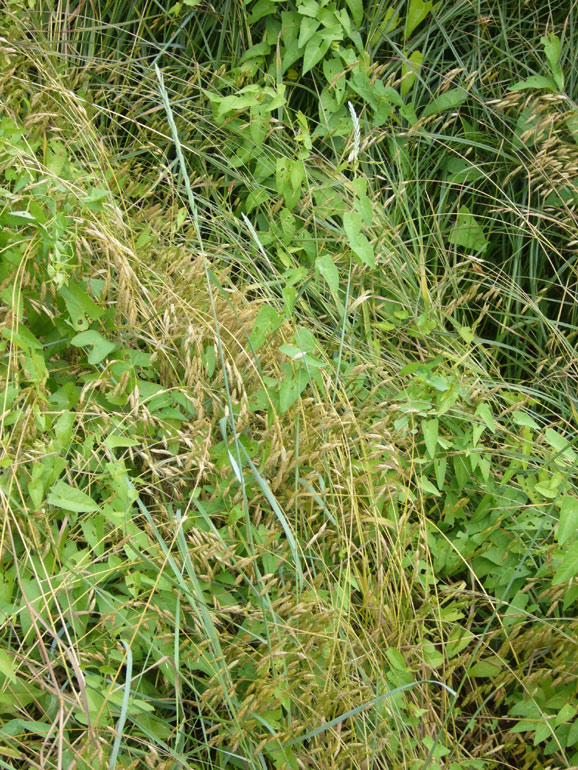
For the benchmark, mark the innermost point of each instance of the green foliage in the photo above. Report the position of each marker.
(288, 430)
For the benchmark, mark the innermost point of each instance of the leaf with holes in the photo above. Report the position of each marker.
(80, 306)
(101, 347)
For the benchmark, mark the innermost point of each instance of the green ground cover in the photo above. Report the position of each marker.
(288, 462)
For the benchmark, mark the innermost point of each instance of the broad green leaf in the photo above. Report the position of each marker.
(568, 519)
(356, 8)
(521, 418)
(396, 659)
(7, 669)
(486, 669)
(260, 9)
(101, 347)
(307, 29)
(266, 323)
(409, 72)
(487, 417)
(357, 240)
(430, 433)
(309, 8)
(535, 82)
(572, 738)
(289, 297)
(549, 489)
(295, 353)
(305, 340)
(258, 124)
(315, 50)
(568, 567)
(467, 232)
(79, 305)
(17, 218)
(22, 337)
(553, 49)
(63, 430)
(115, 440)
(62, 495)
(450, 100)
(432, 655)
(235, 103)
(417, 12)
(328, 270)
(292, 385)
(466, 334)
(560, 444)
(440, 467)
(428, 487)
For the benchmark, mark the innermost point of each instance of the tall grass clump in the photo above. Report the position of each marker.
(288, 413)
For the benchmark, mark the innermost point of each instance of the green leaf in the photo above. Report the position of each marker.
(428, 487)
(357, 240)
(450, 100)
(22, 337)
(467, 232)
(79, 305)
(548, 489)
(409, 72)
(521, 418)
(307, 29)
(115, 440)
(305, 340)
(569, 566)
(486, 669)
(553, 49)
(466, 334)
(62, 495)
(291, 387)
(266, 323)
(356, 8)
(430, 433)
(560, 444)
(536, 82)
(572, 738)
(7, 669)
(568, 519)
(315, 50)
(17, 218)
(101, 347)
(417, 12)
(63, 431)
(485, 413)
(328, 270)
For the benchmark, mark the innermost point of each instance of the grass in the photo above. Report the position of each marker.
(288, 425)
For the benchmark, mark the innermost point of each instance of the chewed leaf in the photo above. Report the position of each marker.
(101, 347)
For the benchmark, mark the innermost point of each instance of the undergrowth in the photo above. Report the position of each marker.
(288, 424)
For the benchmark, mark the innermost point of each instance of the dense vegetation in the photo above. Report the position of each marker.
(288, 423)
